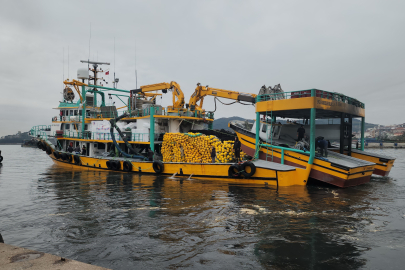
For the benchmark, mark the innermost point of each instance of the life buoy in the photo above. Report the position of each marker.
(55, 118)
(248, 169)
(56, 154)
(64, 118)
(77, 160)
(234, 171)
(115, 165)
(127, 166)
(158, 166)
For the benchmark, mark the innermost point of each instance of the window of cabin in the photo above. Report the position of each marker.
(71, 112)
(76, 112)
(80, 112)
(67, 126)
(86, 127)
(101, 146)
(264, 128)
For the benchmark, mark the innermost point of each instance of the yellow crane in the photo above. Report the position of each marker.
(178, 96)
(202, 91)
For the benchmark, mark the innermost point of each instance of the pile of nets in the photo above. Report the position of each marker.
(196, 148)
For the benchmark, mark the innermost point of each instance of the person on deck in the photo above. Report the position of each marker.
(70, 148)
(213, 154)
(300, 133)
(84, 151)
(77, 149)
(150, 154)
(236, 148)
(323, 147)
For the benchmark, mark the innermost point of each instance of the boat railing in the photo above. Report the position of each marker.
(158, 111)
(283, 149)
(40, 131)
(88, 135)
(311, 92)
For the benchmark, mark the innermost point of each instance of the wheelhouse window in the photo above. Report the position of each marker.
(264, 128)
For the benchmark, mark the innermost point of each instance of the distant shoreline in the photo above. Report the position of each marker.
(10, 143)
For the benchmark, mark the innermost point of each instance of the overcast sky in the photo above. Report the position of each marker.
(353, 47)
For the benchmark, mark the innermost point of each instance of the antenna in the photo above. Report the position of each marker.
(68, 62)
(136, 75)
(89, 42)
(63, 61)
(88, 59)
(114, 65)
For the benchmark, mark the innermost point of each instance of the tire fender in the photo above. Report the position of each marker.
(127, 166)
(252, 169)
(77, 160)
(158, 166)
(234, 171)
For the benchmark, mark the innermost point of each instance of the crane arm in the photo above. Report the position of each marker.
(178, 96)
(202, 91)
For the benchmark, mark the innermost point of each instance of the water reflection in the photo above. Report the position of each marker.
(119, 220)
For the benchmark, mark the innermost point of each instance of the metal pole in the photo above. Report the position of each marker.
(282, 156)
(83, 109)
(152, 129)
(257, 133)
(363, 125)
(312, 132)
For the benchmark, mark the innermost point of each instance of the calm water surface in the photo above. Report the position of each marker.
(128, 221)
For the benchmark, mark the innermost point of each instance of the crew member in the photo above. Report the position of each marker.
(150, 154)
(84, 150)
(301, 133)
(236, 147)
(213, 154)
(77, 149)
(70, 148)
(323, 147)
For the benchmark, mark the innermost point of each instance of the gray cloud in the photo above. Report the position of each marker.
(352, 47)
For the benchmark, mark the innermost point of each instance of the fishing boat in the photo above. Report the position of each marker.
(272, 141)
(90, 133)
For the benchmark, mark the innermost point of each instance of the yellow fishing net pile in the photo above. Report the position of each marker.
(196, 148)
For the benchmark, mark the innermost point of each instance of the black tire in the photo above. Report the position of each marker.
(127, 166)
(48, 150)
(69, 158)
(158, 166)
(1, 159)
(115, 165)
(248, 169)
(234, 171)
(77, 160)
(39, 144)
(108, 164)
(63, 156)
(56, 154)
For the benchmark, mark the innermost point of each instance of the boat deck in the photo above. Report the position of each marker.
(335, 158)
(378, 155)
(273, 165)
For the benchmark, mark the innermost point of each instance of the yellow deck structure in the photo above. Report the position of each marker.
(347, 167)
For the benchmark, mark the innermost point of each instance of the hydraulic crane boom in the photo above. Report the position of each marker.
(178, 96)
(202, 91)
